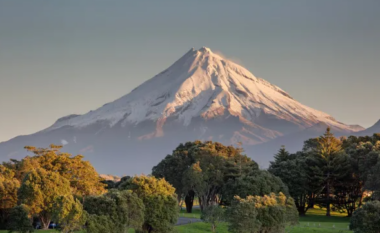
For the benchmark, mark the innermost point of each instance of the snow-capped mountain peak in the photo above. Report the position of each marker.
(201, 96)
(202, 84)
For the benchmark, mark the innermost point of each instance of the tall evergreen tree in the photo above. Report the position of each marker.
(330, 163)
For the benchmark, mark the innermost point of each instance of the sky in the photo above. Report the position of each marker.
(64, 57)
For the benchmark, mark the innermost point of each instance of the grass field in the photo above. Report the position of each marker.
(314, 222)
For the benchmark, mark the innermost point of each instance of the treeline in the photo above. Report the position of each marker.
(331, 172)
(52, 186)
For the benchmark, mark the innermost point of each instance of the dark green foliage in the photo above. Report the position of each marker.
(19, 220)
(121, 209)
(259, 183)
(201, 168)
(99, 224)
(161, 214)
(266, 214)
(367, 218)
(214, 215)
(328, 163)
(215, 165)
(292, 170)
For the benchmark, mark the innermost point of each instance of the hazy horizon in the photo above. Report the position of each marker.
(62, 58)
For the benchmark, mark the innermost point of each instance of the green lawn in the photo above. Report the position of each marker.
(314, 222)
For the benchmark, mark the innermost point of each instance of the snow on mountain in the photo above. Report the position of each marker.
(201, 83)
(202, 96)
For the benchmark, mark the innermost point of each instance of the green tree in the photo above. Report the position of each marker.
(328, 162)
(120, 209)
(68, 212)
(214, 215)
(39, 191)
(261, 214)
(20, 220)
(367, 218)
(103, 214)
(99, 224)
(159, 198)
(130, 208)
(293, 173)
(258, 183)
(161, 213)
(179, 169)
(172, 168)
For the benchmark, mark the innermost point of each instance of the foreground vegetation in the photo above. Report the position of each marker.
(306, 224)
(314, 222)
(309, 191)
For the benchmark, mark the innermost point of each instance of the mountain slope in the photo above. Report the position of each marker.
(370, 131)
(201, 96)
(201, 83)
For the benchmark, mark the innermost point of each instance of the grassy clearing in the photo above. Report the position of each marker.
(314, 222)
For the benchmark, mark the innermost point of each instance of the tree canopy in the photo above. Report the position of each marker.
(39, 191)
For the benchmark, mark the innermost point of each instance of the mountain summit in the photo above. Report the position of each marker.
(202, 84)
(201, 96)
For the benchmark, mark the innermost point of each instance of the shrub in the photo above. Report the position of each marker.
(367, 218)
(19, 220)
(213, 214)
(261, 214)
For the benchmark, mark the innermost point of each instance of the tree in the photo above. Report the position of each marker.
(20, 220)
(8, 192)
(258, 183)
(282, 156)
(39, 191)
(261, 214)
(159, 199)
(214, 215)
(103, 212)
(99, 224)
(293, 173)
(131, 208)
(178, 168)
(213, 167)
(84, 180)
(68, 212)
(367, 218)
(161, 213)
(172, 168)
(120, 210)
(329, 163)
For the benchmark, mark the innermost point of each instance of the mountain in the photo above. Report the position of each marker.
(370, 131)
(201, 96)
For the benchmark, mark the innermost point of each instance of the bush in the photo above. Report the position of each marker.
(19, 220)
(259, 214)
(367, 218)
(213, 214)
(118, 210)
(160, 202)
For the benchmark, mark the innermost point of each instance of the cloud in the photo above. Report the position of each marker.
(233, 59)
(64, 142)
(88, 149)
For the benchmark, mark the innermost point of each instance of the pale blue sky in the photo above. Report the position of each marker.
(64, 57)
